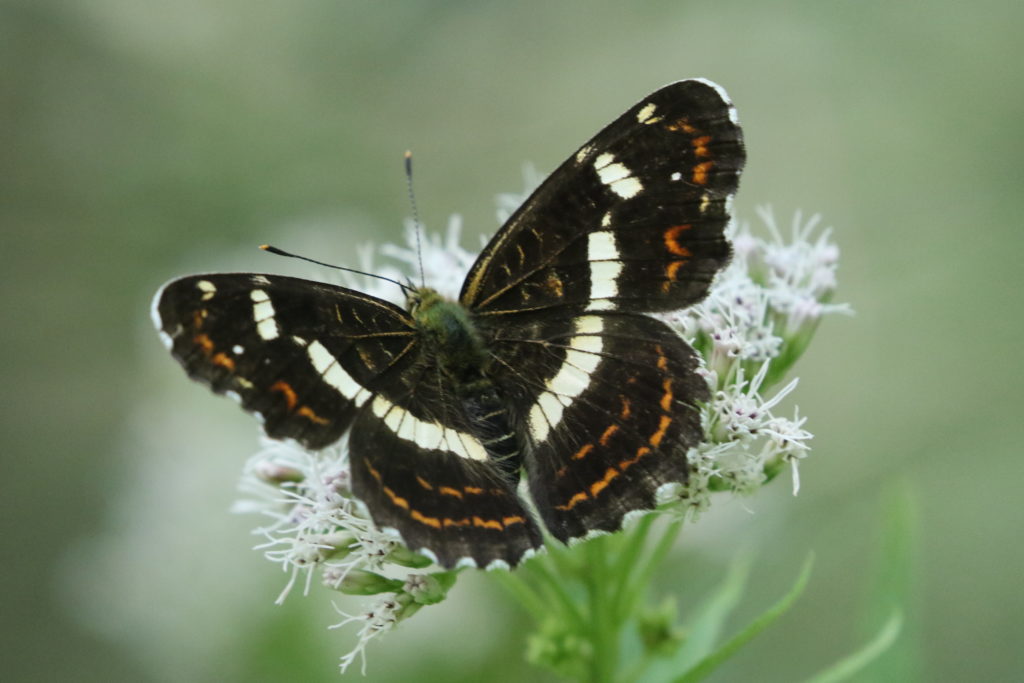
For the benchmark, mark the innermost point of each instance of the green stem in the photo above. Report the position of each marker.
(638, 584)
(554, 588)
(603, 625)
(534, 604)
(628, 562)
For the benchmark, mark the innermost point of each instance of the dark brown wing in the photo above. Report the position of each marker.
(632, 221)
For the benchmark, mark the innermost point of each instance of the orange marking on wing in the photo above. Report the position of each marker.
(579, 497)
(561, 472)
(700, 145)
(672, 273)
(204, 342)
(602, 484)
(515, 519)
(367, 359)
(286, 389)
(640, 452)
(396, 499)
(626, 412)
(456, 522)
(473, 490)
(671, 237)
(662, 359)
(681, 124)
(656, 438)
(223, 360)
(423, 519)
(374, 473)
(666, 400)
(554, 285)
(582, 453)
(198, 317)
(487, 523)
(700, 172)
(608, 434)
(309, 414)
(424, 483)
(449, 491)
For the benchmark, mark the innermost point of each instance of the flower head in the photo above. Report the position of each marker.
(750, 329)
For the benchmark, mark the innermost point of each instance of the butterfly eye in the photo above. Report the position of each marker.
(413, 300)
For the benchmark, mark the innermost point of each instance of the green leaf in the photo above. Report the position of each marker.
(894, 586)
(847, 667)
(712, 661)
(704, 626)
(704, 631)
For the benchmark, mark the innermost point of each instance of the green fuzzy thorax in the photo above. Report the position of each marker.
(448, 331)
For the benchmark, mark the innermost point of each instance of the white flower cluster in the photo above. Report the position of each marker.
(754, 324)
(757, 319)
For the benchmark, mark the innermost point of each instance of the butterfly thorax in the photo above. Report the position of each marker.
(454, 342)
(448, 332)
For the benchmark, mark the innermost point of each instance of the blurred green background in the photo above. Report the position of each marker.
(143, 140)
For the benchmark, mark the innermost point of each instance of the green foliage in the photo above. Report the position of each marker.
(596, 622)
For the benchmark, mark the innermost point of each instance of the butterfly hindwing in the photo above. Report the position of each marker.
(304, 356)
(609, 404)
(437, 487)
(605, 452)
(633, 221)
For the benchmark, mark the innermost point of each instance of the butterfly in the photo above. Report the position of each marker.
(547, 363)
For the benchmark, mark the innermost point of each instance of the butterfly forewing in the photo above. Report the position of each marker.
(632, 221)
(304, 356)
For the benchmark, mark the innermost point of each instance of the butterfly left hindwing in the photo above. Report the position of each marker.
(545, 362)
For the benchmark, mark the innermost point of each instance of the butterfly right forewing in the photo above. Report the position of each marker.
(303, 356)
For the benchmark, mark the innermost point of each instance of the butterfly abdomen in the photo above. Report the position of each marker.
(487, 413)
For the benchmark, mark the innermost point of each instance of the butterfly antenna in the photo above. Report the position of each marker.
(282, 252)
(415, 214)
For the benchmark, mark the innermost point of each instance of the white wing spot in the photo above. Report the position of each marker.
(705, 202)
(677, 176)
(330, 369)
(429, 435)
(584, 152)
(605, 267)
(603, 276)
(646, 115)
(619, 178)
(238, 349)
(260, 280)
(207, 288)
(263, 314)
(572, 379)
(601, 246)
